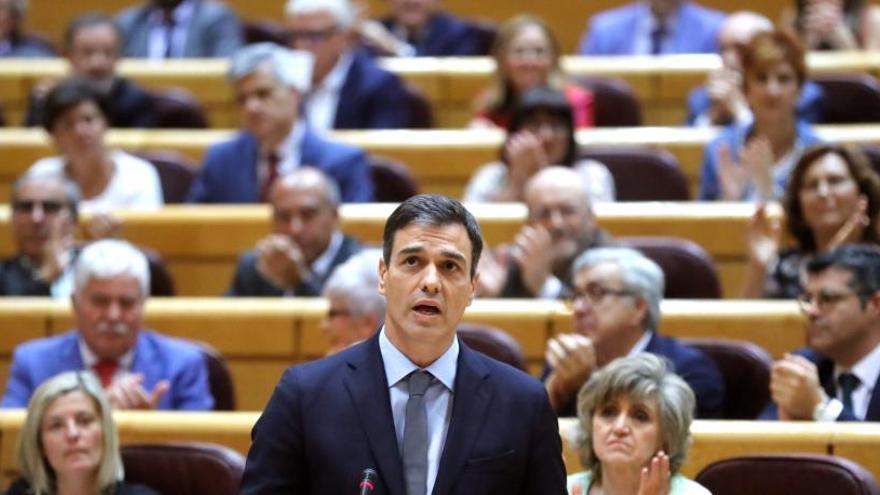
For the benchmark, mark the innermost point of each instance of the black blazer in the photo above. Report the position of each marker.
(330, 419)
(248, 282)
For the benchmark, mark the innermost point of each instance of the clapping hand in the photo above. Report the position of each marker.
(281, 262)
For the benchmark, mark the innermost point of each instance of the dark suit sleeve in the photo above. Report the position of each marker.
(546, 471)
(248, 282)
(388, 107)
(704, 378)
(202, 189)
(275, 462)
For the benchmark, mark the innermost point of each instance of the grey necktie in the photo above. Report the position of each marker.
(415, 435)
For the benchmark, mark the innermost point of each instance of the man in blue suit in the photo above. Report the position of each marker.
(387, 404)
(179, 28)
(616, 311)
(269, 82)
(139, 369)
(653, 27)
(349, 89)
(836, 377)
(418, 28)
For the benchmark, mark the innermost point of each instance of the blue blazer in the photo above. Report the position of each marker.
(735, 136)
(371, 97)
(825, 367)
(156, 356)
(809, 105)
(447, 35)
(330, 419)
(611, 32)
(214, 31)
(229, 171)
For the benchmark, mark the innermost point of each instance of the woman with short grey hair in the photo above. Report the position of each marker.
(635, 415)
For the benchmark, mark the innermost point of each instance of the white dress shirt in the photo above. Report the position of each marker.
(323, 99)
(157, 44)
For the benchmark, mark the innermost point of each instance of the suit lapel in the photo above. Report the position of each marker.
(470, 404)
(367, 387)
(145, 362)
(348, 96)
(873, 413)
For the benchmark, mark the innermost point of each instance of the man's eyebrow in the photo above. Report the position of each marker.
(454, 255)
(411, 250)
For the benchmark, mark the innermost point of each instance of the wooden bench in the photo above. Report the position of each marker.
(712, 440)
(259, 338)
(662, 84)
(200, 244)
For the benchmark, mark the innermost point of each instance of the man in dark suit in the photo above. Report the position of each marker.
(43, 222)
(139, 369)
(418, 28)
(305, 245)
(179, 28)
(387, 404)
(14, 42)
(616, 313)
(269, 82)
(91, 45)
(561, 224)
(349, 90)
(836, 377)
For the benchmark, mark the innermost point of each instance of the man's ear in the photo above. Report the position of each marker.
(641, 311)
(475, 282)
(383, 270)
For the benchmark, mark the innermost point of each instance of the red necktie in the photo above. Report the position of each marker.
(272, 160)
(105, 370)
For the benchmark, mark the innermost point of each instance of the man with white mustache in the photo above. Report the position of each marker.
(139, 369)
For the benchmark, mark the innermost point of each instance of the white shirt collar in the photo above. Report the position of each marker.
(334, 79)
(398, 366)
(867, 369)
(641, 344)
(321, 265)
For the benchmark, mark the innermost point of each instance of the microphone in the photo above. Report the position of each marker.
(368, 482)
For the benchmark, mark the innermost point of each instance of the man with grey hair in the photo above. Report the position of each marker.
(349, 89)
(616, 313)
(357, 309)
(305, 244)
(269, 83)
(139, 369)
(43, 221)
(560, 225)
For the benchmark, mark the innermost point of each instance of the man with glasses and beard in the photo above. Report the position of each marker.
(835, 377)
(139, 368)
(616, 312)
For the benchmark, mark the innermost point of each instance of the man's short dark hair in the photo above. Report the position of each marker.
(87, 20)
(433, 210)
(68, 94)
(862, 261)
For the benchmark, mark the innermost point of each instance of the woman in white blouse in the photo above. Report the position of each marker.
(540, 134)
(75, 116)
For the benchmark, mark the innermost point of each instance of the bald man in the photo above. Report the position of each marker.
(560, 225)
(305, 244)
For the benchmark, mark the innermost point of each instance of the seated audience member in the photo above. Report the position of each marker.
(638, 403)
(349, 89)
(76, 117)
(43, 221)
(140, 369)
(560, 225)
(721, 101)
(68, 443)
(357, 309)
(14, 42)
(91, 46)
(305, 244)
(653, 27)
(749, 162)
(418, 28)
(835, 377)
(269, 83)
(833, 198)
(835, 24)
(616, 313)
(540, 134)
(162, 29)
(526, 56)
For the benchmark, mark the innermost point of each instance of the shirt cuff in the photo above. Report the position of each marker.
(551, 289)
(828, 411)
